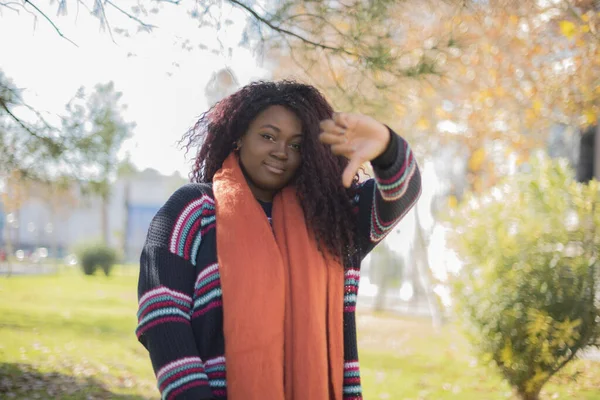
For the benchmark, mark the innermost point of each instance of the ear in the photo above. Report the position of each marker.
(237, 145)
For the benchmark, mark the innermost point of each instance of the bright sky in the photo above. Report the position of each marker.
(163, 85)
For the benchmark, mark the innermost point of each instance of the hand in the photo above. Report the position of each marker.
(357, 137)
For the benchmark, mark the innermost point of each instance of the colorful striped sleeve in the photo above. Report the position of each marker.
(165, 296)
(385, 200)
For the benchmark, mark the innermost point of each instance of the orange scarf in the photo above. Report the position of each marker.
(282, 299)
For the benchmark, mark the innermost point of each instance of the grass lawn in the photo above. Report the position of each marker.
(71, 337)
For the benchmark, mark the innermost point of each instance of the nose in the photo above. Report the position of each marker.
(280, 150)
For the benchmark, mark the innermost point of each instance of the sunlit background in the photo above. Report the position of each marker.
(499, 100)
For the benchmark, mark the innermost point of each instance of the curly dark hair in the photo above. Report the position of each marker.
(325, 201)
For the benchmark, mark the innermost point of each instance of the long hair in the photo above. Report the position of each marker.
(325, 201)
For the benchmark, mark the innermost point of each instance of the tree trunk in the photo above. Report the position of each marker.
(54, 242)
(9, 251)
(105, 237)
(597, 153)
(125, 242)
(529, 396)
(382, 288)
(423, 269)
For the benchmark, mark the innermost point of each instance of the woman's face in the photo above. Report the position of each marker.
(270, 151)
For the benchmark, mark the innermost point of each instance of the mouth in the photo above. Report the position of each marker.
(276, 169)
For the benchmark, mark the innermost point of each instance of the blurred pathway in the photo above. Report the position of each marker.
(27, 269)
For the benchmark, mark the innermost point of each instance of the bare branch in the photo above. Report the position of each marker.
(351, 99)
(21, 103)
(142, 23)
(10, 5)
(298, 62)
(50, 21)
(281, 30)
(105, 20)
(18, 121)
(315, 16)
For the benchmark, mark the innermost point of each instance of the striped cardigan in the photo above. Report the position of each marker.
(180, 316)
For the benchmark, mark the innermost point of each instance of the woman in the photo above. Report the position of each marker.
(249, 275)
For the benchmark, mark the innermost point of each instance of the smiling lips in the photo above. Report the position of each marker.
(275, 169)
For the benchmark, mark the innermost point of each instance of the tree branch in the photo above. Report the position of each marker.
(50, 21)
(21, 123)
(142, 23)
(30, 108)
(281, 30)
(10, 4)
(105, 20)
(315, 16)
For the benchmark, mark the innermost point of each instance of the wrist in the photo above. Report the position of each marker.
(390, 152)
(385, 135)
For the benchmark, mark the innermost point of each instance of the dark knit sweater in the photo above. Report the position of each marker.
(180, 316)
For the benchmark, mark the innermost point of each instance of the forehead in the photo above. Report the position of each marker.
(279, 117)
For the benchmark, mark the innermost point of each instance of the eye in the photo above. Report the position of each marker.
(267, 137)
(296, 146)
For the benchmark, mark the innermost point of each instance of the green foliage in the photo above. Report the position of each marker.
(528, 290)
(84, 147)
(94, 256)
(26, 139)
(97, 118)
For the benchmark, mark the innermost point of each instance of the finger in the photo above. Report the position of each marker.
(330, 126)
(345, 149)
(327, 124)
(332, 138)
(350, 171)
(341, 119)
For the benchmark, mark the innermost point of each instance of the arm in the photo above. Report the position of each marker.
(384, 200)
(165, 291)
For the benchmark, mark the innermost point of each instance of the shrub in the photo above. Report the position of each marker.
(92, 257)
(528, 290)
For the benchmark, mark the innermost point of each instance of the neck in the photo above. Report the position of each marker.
(260, 194)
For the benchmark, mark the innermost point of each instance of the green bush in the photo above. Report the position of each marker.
(528, 290)
(92, 257)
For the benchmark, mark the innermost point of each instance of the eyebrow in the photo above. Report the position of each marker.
(277, 129)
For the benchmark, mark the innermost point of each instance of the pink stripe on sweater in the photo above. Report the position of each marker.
(210, 306)
(189, 209)
(163, 320)
(185, 387)
(189, 240)
(207, 288)
(207, 228)
(399, 191)
(162, 291)
(161, 304)
(398, 174)
(180, 374)
(217, 374)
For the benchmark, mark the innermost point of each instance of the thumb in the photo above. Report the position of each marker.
(350, 170)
